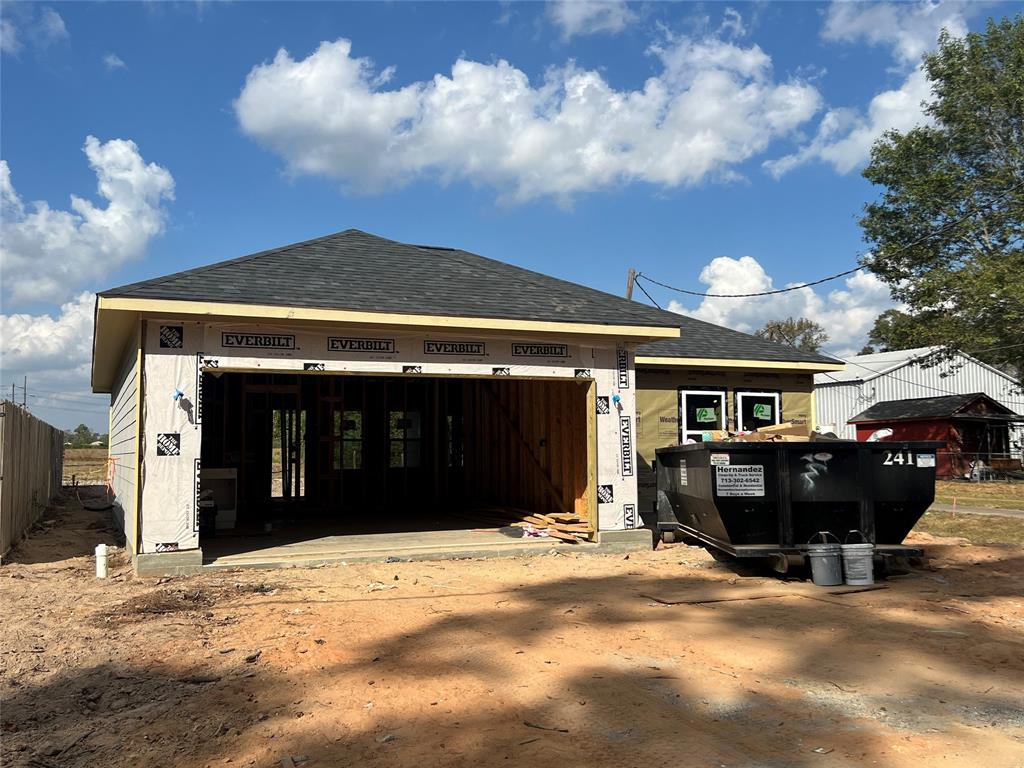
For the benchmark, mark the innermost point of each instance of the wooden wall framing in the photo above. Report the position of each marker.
(527, 444)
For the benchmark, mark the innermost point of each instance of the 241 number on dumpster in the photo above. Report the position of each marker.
(899, 458)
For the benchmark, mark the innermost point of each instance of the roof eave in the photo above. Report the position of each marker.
(637, 333)
(716, 362)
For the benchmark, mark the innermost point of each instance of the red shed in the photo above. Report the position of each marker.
(973, 427)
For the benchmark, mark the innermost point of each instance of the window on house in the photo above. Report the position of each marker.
(757, 409)
(348, 439)
(700, 412)
(403, 439)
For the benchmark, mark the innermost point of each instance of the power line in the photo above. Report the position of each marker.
(55, 394)
(836, 276)
(61, 397)
(890, 374)
(59, 408)
(992, 349)
(901, 249)
(645, 293)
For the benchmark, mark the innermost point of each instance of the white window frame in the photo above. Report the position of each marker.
(739, 407)
(682, 410)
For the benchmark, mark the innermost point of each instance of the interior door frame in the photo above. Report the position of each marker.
(681, 405)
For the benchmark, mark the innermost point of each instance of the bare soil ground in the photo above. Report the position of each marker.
(558, 660)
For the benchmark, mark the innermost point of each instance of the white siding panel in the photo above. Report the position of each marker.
(124, 449)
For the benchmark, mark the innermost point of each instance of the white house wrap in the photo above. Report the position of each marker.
(179, 350)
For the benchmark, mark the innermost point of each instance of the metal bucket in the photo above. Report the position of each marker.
(858, 561)
(826, 560)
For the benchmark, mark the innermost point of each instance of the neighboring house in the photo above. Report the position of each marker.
(972, 428)
(909, 374)
(713, 378)
(353, 384)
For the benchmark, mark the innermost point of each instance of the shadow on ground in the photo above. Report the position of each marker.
(578, 670)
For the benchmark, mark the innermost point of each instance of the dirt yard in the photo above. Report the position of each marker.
(558, 660)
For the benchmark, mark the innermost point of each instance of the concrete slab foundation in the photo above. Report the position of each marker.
(380, 547)
(182, 563)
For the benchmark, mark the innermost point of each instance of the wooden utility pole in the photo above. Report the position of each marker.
(630, 279)
(24, 392)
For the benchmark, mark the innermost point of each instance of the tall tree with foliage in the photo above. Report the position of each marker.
(797, 332)
(947, 232)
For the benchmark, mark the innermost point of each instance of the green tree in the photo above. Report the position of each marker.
(797, 332)
(947, 231)
(894, 329)
(81, 436)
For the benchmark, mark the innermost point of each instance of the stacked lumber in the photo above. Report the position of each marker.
(559, 525)
(563, 526)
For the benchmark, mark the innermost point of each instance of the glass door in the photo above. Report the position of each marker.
(757, 409)
(699, 412)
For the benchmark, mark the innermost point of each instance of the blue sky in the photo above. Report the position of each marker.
(713, 146)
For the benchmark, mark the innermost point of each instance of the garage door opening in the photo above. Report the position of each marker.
(296, 457)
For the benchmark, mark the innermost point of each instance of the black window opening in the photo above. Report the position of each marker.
(700, 412)
(757, 409)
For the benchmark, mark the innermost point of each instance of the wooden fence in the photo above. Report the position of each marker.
(31, 460)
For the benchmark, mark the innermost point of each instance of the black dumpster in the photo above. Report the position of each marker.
(765, 499)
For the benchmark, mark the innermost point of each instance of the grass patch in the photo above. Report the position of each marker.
(997, 494)
(978, 529)
(88, 465)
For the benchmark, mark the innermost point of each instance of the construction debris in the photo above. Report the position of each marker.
(520, 523)
(796, 431)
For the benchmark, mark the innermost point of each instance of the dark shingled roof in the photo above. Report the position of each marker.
(700, 339)
(354, 270)
(932, 408)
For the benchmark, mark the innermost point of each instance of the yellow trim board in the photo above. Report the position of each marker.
(271, 312)
(712, 362)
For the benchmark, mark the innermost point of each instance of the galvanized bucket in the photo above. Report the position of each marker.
(825, 557)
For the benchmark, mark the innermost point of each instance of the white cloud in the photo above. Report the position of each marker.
(54, 353)
(40, 26)
(732, 24)
(847, 313)
(844, 136)
(10, 41)
(34, 343)
(50, 28)
(112, 61)
(713, 105)
(588, 17)
(49, 254)
(909, 29)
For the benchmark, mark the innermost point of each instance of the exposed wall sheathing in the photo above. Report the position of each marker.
(526, 444)
(178, 351)
(657, 406)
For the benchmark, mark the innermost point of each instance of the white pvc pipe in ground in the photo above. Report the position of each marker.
(101, 561)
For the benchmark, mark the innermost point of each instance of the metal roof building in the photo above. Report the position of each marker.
(909, 374)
